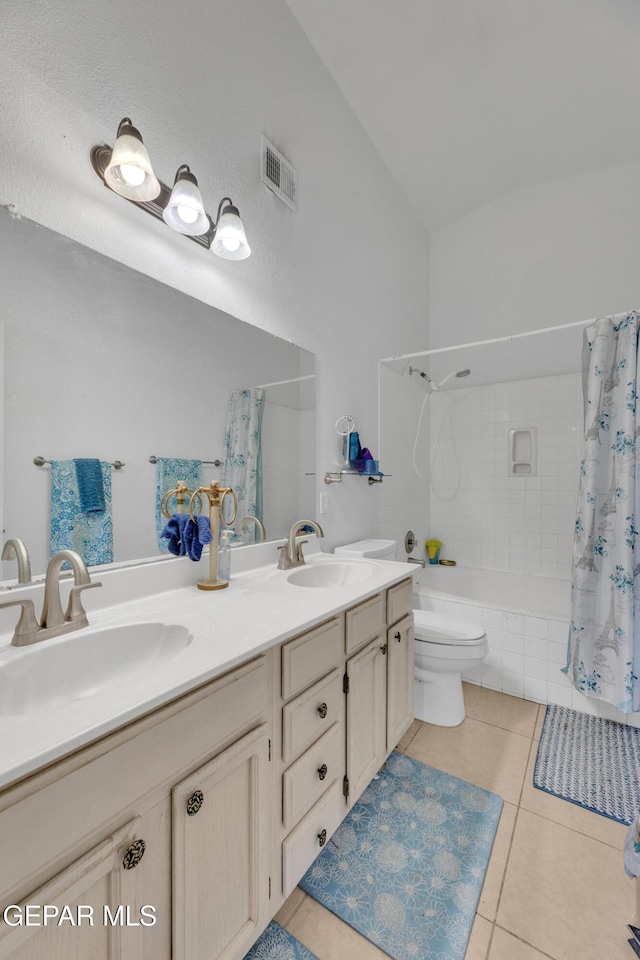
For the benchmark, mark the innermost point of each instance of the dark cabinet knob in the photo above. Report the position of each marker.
(134, 854)
(322, 838)
(384, 648)
(322, 710)
(398, 636)
(194, 803)
(322, 771)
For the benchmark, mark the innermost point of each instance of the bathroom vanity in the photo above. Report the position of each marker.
(179, 832)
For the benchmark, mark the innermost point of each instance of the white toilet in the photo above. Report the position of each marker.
(444, 649)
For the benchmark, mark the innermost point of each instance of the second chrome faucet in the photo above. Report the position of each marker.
(291, 552)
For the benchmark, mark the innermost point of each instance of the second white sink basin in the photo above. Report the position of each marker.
(83, 664)
(333, 573)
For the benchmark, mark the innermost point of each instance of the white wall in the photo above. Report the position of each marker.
(203, 84)
(556, 253)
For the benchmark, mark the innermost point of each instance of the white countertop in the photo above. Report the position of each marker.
(258, 609)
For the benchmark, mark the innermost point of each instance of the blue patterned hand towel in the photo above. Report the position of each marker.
(90, 485)
(89, 534)
(168, 471)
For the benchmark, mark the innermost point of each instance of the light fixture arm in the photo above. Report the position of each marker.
(224, 200)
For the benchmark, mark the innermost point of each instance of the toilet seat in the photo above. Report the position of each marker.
(435, 628)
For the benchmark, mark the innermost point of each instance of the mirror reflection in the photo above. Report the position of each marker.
(103, 363)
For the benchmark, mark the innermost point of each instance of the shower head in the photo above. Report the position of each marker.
(430, 385)
(463, 373)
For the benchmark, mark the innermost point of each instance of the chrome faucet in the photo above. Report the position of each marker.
(53, 621)
(262, 533)
(14, 549)
(291, 551)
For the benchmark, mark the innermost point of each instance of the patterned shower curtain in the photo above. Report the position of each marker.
(242, 469)
(604, 644)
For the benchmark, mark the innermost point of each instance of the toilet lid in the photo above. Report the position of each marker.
(437, 628)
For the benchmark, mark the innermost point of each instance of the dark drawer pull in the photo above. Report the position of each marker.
(322, 771)
(398, 636)
(384, 648)
(322, 838)
(194, 803)
(322, 710)
(134, 854)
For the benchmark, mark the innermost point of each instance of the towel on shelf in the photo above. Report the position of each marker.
(71, 528)
(90, 485)
(168, 471)
(186, 536)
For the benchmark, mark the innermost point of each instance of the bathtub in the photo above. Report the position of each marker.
(514, 592)
(526, 619)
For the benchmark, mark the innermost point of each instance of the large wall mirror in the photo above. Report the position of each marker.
(103, 362)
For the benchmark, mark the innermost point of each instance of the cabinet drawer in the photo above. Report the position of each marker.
(314, 772)
(302, 845)
(311, 714)
(364, 622)
(311, 656)
(399, 600)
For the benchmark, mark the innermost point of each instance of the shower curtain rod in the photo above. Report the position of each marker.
(505, 339)
(281, 383)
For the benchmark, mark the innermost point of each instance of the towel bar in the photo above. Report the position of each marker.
(40, 462)
(215, 463)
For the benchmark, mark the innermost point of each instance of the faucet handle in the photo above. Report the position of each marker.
(299, 554)
(27, 627)
(75, 611)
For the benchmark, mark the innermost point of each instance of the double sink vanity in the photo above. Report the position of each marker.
(168, 773)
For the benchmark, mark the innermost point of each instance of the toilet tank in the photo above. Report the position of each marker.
(380, 549)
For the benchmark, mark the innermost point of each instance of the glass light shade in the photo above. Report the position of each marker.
(230, 241)
(185, 211)
(129, 172)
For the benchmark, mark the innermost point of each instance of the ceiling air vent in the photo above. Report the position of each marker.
(279, 175)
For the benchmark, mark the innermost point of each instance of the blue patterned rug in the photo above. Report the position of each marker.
(406, 866)
(591, 762)
(277, 944)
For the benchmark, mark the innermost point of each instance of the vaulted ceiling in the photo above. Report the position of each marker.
(467, 100)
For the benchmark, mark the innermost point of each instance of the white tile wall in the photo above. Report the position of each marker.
(525, 658)
(288, 455)
(485, 517)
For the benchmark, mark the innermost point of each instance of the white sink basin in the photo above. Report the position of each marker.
(333, 573)
(51, 673)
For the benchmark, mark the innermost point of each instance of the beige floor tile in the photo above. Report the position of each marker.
(409, 735)
(504, 946)
(492, 886)
(328, 937)
(540, 722)
(565, 894)
(481, 753)
(479, 940)
(569, 814)
(289, 907)
(510, 713)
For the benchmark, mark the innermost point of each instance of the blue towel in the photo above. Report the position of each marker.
(186, 537)
(168, 471)
(89, 534)
(90, 485)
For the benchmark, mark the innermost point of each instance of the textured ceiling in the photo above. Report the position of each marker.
(467, 100)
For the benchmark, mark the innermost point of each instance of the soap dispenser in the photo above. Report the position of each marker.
(224, 555)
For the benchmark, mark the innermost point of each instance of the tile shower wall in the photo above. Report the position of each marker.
(486, 518)
(525, 658)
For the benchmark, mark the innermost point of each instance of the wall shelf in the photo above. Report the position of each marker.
(337, 475)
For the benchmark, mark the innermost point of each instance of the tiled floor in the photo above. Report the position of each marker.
(555, 886)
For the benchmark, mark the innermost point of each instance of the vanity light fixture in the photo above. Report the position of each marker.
(185, 210)
(126, 169)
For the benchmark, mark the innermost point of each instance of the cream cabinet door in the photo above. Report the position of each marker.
(366, 715)
(221, 817)
(399, 680)
(67, 918)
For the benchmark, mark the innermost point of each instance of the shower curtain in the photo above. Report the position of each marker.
(604, 642)
(242, 469)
